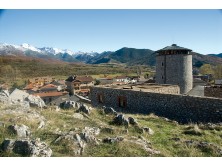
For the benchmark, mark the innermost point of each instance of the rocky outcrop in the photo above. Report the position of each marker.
(113, 140)
(85, 109)
(70, 104)
(80, 140)
(35, 101)
(21, 131)
(109, 110)
(132, 121)
(121, 120)
(26, 147)
(78, 116)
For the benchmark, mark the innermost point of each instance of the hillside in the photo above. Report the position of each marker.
(69, 133)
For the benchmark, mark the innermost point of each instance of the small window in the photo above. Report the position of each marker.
(162, 77)
(100, 98)
(122, 101)
(162, 63)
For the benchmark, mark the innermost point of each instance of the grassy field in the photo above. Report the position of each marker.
(170, 138)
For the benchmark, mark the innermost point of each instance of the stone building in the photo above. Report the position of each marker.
(174, 66)
(79, 84)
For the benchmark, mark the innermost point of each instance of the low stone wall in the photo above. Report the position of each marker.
(184, 109)
(213, 91)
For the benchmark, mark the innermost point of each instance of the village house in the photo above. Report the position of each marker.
(79, 85)
(49, 97)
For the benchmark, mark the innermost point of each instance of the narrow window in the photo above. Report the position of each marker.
(122, 101)
(162, 77)
(162, 63)
(100, 98)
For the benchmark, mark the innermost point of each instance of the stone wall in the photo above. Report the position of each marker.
(181, 108)
(213, 91)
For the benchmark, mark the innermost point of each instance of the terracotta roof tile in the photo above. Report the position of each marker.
(48, 94)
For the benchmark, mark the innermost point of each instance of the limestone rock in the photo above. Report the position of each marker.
(113, 140)
(84, 108)
(121, 120)
(109, 110)
(26, 147)
(148, 130)
(21, 131)
(35, 101)
(132, 121)
(4, 96)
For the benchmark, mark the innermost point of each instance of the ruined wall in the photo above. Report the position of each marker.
(213, 91)
(181, 108)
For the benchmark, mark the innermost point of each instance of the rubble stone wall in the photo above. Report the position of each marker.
(182, 108)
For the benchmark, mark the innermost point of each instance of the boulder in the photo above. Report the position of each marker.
(35, 101)
(148, 130)
(21, 131)
(109, 110)
(132, 121)
(26, 147)
(121, 120)
(113, 140)
(84, 108)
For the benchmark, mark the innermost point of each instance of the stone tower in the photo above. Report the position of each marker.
(174, 66)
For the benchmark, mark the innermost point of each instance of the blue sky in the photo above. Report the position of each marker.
(110, 30)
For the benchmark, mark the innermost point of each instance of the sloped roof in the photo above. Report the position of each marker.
(50, 94)
(173, 47)
(84, 78)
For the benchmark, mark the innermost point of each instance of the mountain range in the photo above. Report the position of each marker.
(129, 56)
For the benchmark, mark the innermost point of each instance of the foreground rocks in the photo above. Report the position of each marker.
(21, 131)
(109, 110)
(121, 120)
(79, 140)
(26, 147)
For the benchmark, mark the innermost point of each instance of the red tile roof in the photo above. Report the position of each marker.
(49, 86)
(50, 94)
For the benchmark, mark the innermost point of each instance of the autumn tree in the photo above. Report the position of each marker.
(206, 69)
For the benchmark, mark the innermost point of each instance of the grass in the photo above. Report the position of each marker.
(170, 138)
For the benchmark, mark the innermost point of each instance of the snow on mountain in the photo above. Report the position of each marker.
(30, 47)
(46, 50)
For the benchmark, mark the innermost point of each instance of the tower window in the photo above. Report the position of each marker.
(162, 77)
(162, 63)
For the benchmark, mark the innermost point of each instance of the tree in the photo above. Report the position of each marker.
(218, 72)
(206, 69)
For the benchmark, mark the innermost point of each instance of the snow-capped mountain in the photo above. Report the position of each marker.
(45, 52)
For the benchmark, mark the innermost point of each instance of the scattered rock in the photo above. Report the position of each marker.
(21, 131)
(26, 147)
(35, 101)
(80, 140)
(41, 124)
(84, 108)
(132, 121)
(57, 108)
(78, 116)
(148, 130)
(113, 140)
(121, 120)
(109, 110)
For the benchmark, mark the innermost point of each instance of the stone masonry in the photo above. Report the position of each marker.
(182, 108)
